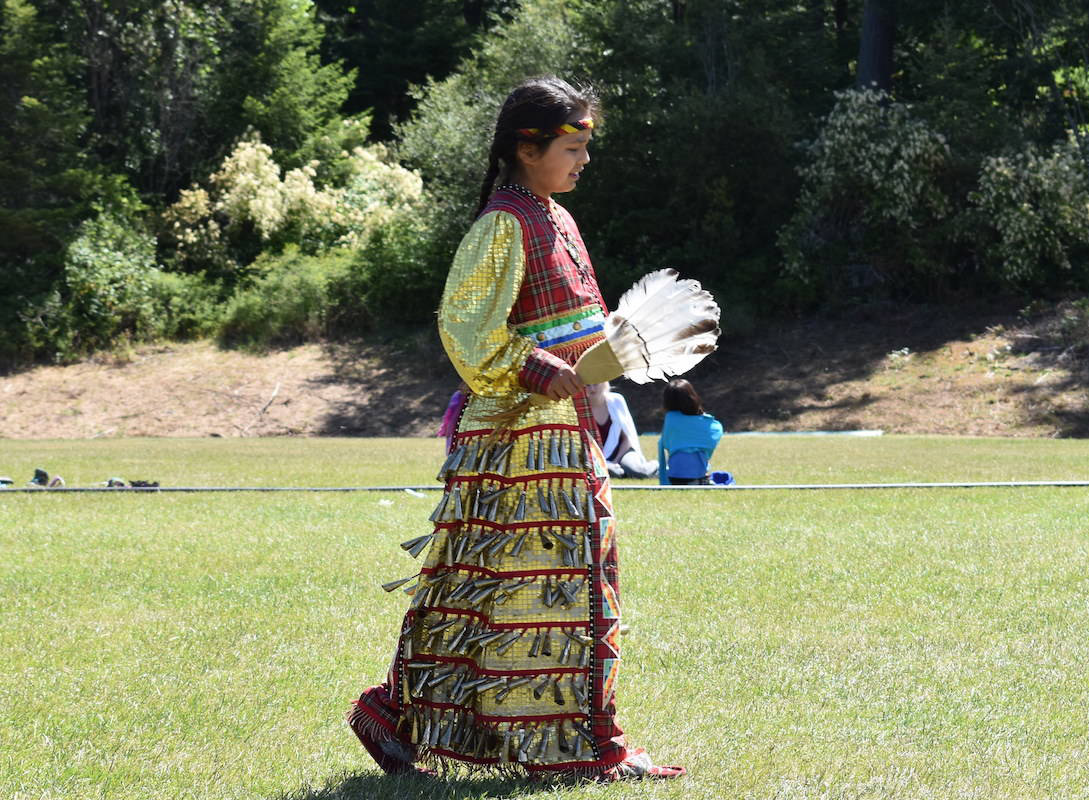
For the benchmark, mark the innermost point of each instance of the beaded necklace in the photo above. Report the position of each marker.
(585, 275)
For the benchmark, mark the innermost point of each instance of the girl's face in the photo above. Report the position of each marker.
(557, 167)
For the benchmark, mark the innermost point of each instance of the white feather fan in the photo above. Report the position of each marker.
(662, 326)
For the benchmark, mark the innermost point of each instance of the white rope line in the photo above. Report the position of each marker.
(624, 487)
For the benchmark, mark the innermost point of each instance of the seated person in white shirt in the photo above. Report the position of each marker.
(620, 441)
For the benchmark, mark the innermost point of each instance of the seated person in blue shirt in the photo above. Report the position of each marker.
(689, 437)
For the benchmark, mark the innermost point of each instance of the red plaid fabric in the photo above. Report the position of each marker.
(552, 283)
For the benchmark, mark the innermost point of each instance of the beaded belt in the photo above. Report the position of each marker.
(565, 329)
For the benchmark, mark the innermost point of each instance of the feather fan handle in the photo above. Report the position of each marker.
(663, 325)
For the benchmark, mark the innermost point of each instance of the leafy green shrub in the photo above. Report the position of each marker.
(108, 273)
(1036, 208)
(186, 306)
(871, 189)
(289, 302)
(395, 278)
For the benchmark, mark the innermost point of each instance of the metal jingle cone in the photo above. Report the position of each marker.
(587, 549)
(576, 689)
(553, 451)
(463, 645)
(567, 587)
(577, 587)
(553, 507)
(470, 456)
(583, 732)
(435, 730)
(460, 589)
(491, 639)
(535, 648)
(557, 692)
(542, 501)
(503, 455)
(455, 640)
(549, 595)
(565, 653)
(459, 512)
(520, 511)
(565, 461)
(523, 743)
(508, 643)
(546, 645)
(561, 740)
(518, 544)
(501, 542)
(543, 748)
(584, 656)
(531, 461)
(578, 748)
(448, 550)
(447, 733)
(458, 455)
(539, 689)
(540, 452)
(480, 544)
(591, 512)
(445, 468)
(491, 684)
(568, 561)
(572, 510)
(546, 543)
(482, 459)
(565, 539)
(504, 747)
(475, 505)
(440, 626)
(576, 498)
(414, 736)
(438, 676)
(464, 732)
(416, 546)
(573, 456)
(455, 690)
(463, 542)
(389, 587)
(440, 509)
(425, 737)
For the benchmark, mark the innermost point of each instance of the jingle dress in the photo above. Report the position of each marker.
(509, 652)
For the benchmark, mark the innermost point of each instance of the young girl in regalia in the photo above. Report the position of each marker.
(509, 653)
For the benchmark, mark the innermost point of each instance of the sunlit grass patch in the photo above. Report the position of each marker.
(893, 644)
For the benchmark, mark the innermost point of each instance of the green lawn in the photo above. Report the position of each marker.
(892, 644)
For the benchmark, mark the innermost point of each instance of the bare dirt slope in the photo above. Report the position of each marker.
(979, 371)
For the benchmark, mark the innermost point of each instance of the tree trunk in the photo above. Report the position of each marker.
(875, 47)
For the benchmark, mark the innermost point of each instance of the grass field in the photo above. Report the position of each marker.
(841, 644)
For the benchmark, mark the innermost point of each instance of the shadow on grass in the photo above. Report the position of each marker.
(377, 786)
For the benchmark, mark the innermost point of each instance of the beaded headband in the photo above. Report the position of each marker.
(536, 134)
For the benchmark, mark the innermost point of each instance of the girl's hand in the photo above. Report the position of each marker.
(564, 384)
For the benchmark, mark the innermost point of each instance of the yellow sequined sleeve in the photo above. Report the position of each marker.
(481, 288)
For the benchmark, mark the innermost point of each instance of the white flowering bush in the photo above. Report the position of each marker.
(251, 205)
(871, 181)
(1037, 207)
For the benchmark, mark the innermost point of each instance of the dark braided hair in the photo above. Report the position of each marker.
(544, 103)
